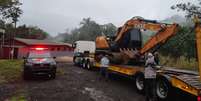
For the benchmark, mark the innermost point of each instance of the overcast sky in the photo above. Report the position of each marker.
(55, 16)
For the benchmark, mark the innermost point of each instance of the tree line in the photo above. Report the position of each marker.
(89, 30)
(184, 43)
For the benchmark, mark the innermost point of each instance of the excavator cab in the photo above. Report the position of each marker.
(132, 40)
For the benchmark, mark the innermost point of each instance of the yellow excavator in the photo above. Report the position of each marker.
(128, 40)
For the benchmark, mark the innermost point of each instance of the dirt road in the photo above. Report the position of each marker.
(72, 84)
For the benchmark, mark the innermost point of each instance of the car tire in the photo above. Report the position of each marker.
(53, 74)
(139, 83)
(26, 74)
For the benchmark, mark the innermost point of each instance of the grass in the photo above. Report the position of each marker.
(10, 70)
(181, 63)
(18, 98)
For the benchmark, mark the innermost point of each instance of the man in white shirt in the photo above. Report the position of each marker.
(150, 78)
(104, 66)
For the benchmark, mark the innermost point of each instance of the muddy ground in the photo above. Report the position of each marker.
(72, 84)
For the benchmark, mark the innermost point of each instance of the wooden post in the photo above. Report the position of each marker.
(198, 42)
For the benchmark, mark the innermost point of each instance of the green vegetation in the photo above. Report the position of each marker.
(89, 30)
(181, 62)
(10, 10)
(10, 70)
(18, 98)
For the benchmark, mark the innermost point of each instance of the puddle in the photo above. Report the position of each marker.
(96, 95)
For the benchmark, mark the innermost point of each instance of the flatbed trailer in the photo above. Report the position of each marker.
(170, 78)
(186, 81)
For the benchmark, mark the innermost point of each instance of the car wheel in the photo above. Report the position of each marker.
(53, 74)
(26, 75)
(139, 83)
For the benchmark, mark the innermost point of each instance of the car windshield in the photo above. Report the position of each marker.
(39, 54)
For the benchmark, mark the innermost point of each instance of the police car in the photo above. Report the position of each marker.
(39, 61)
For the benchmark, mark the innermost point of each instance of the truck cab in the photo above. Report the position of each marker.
(83, 53)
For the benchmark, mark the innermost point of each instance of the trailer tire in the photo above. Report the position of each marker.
(88, 65)
(83, 64)
(139, 83)
(163, 89)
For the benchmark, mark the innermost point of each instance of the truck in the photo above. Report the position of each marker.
(83, 53)
(127, 56)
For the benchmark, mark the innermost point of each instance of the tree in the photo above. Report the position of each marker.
(182, 44)
(89, 30)
(189, 7)
(31, 32)
(109, 29)
(10, 9)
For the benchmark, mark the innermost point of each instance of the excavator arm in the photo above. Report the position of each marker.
(160, 38)
(164, 31)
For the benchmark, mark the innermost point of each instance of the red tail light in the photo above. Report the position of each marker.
(198, 98)
(39, 48)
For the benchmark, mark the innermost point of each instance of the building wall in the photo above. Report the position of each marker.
(6, 52)
(22, 52)
(23, 49)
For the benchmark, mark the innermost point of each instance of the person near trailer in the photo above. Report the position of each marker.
(156, 58)
(150, 78)
(104, 66)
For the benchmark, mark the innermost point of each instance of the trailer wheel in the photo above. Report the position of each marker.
(83, 63)
(139, 82)
(88, 65)
(163, 89)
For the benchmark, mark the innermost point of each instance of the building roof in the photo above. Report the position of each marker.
(41, 42)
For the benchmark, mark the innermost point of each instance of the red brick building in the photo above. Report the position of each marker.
(22, 46)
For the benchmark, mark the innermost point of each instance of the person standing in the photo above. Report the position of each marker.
(104, 66)
(150, 78)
